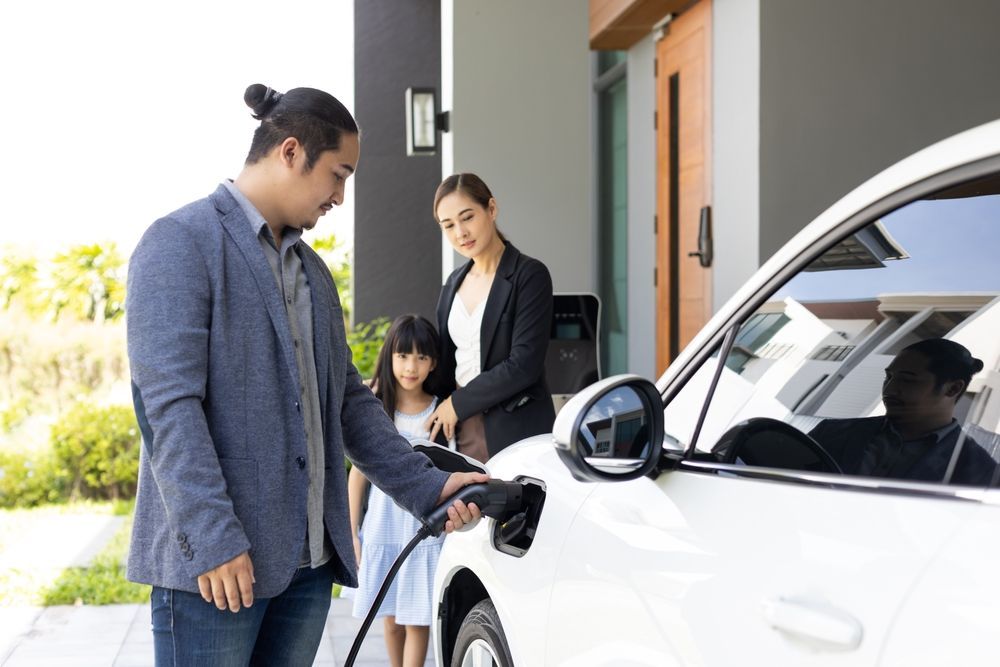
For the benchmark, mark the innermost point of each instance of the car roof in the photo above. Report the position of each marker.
(966, 147)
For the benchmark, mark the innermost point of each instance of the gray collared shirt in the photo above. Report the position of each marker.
(888, 455)
(294, 288)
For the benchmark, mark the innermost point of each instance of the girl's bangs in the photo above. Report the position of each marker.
(412, 336)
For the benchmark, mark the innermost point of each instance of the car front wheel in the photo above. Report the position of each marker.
(481, 642)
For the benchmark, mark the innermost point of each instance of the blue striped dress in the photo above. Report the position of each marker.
(386, 529)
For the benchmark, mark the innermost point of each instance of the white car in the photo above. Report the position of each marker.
(739, 538)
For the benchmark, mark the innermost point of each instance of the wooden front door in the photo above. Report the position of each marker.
(683, 191)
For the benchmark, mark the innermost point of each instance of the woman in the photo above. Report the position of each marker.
(495, 317)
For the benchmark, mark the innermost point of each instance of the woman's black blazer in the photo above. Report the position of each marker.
(511, 391)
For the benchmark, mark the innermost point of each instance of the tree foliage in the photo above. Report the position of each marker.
(87, 281)
(365, 340)
(19, 281)
(337, 259)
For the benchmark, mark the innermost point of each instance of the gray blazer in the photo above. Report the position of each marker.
(223, 467)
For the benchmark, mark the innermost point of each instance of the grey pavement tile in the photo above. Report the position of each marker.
(141, 630)
(73, 636)
(139, 638)
(120, 636)
(55, 661)
(51, 645)
(85, 620)
(325, 650)
(135, 662)
(44, 544)
(134, 656)
(63, 655)
(15, 622)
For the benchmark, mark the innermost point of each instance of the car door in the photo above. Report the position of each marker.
(754, 548)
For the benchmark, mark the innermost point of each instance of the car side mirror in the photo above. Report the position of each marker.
(612, 430)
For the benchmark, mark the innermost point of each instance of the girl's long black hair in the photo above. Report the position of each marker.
(407, 333)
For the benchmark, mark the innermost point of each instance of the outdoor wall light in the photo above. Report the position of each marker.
(423, 122)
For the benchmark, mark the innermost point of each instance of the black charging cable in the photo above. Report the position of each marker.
(495, 498)
(422, 534)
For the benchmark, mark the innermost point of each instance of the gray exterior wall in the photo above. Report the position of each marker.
(735, 146)
(641, 209)
(397, 248)
(848, 88)
(521, 120)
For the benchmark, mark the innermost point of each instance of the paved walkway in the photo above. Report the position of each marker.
(119, 636)
(114, 635)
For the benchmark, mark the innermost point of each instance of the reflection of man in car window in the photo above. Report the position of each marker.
(919, 436)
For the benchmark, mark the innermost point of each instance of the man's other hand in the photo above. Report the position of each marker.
(230, 584)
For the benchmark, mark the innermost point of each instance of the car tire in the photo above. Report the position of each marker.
(481, 640)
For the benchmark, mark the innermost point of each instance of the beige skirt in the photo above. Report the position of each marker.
(471, 438)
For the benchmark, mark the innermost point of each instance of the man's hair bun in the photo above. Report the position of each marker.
(947, 360)
(261, 99)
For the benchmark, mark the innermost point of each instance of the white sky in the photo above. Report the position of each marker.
(115, 113)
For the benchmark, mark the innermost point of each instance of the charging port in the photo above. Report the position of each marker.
(515, 535)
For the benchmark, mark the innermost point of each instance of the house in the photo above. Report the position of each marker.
(653, 152)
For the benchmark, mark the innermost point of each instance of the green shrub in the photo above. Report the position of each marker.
(98, 448)
(365, 340)
(30, 479)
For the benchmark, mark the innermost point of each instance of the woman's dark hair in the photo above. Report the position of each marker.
(471, 186)
(947, 360)
(407, 333)
(317, 119)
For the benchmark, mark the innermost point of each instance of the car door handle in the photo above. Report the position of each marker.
(816, 622)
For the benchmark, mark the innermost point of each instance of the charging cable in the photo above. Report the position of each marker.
(495, 498)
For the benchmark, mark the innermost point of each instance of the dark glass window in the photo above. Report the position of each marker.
(612, 232)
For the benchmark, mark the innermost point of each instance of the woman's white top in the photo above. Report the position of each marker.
(464, 328)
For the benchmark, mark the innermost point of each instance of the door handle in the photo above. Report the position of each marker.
(704, 252)
(816, 622)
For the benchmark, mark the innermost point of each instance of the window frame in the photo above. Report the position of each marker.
(726, 333)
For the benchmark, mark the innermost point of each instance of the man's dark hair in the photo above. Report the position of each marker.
(947, 360)
(317, 119)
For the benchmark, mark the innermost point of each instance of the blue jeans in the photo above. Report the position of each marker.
(283, 630)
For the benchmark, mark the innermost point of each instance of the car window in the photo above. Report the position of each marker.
(680, 416)
(881, 355)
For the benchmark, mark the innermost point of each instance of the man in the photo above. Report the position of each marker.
(247, 401)
(919, 438)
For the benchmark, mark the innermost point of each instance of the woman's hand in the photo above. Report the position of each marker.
(442, 419)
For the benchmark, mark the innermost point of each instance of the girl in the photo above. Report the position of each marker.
(495, 318)
(405, 382)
